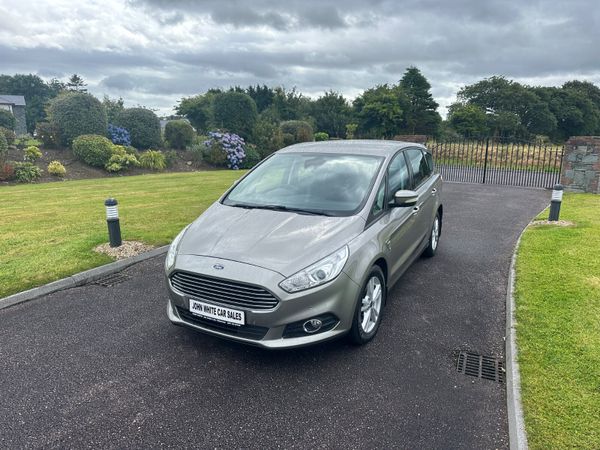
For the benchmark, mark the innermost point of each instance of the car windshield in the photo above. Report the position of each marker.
(311, 183)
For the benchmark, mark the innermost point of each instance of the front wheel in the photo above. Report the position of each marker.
(434, 237)
(367, 315)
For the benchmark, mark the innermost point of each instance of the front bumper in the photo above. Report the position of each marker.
(266, 328)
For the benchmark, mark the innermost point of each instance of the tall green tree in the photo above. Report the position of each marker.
(76, 84)
(420, 115)
(331, 113)
(36, 92)
(380, 111)
(262, 95)
(113, 107)
(469, 120)
(199, 110)
(236, 112)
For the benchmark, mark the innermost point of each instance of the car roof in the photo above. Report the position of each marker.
(355, 146)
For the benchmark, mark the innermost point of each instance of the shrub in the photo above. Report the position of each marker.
(224, 149)
(351, 130)
(32, 154)
(75, 114)
(179, 133)
(121, 160)
(119, 135)
(48, 133)
(9, 135)
(299, 129)
(143, 126)
(252, 157)
(57, 169)
(236, 112)
(26, 172)
(288, 139)
(170, 157)
(93, 149)
(7, 171)
(321, 136)
(3, 148)
(23, 141)
(153, 159)
(267, 136)
(7, 120)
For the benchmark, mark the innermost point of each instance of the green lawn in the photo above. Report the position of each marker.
(558, 328)
(48, 231)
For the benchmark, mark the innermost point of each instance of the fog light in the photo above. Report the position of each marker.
(312, 325)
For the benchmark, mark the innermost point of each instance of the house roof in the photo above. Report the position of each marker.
(17, 100)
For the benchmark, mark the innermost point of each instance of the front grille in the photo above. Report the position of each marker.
(245, 331)
(225, 292)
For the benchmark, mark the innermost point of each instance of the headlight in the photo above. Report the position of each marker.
(319, 273)
(173, 249)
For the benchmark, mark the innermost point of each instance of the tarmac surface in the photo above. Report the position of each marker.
(98, 366)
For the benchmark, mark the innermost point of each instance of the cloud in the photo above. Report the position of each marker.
(153, 52)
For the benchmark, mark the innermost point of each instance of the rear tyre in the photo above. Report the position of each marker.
(434, 237)
(367, 314)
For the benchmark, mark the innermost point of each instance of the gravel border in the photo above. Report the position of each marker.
(79, 278)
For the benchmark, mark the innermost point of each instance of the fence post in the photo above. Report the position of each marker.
(485, 159)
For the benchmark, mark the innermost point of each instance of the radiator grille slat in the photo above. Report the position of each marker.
(226, 292)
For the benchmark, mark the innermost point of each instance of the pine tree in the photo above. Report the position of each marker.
(76, 84)
(421, 117)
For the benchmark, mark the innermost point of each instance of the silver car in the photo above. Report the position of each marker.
(305, 247)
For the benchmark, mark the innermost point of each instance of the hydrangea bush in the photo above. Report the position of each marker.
(119, 135)
(226, 147)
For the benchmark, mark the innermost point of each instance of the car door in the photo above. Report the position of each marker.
(425, 185)
(401, 233)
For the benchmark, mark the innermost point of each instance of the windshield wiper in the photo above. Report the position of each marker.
(312, 212)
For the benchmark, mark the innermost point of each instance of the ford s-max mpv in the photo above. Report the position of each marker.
(305, 246)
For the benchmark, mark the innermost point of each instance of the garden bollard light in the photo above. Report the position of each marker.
(557, 194)
(112, 219)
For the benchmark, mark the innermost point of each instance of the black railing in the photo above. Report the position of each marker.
(498, 161)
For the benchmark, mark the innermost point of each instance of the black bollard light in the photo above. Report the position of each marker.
(112, 220)
(557, 195)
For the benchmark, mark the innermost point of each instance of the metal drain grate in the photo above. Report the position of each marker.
(112, 279)
(480, 366)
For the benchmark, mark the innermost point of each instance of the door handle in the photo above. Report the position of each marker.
(416, 210)
(433, 191)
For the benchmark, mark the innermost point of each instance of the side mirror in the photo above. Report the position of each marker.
(405, 198)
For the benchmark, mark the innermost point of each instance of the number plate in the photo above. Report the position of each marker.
(219, 313)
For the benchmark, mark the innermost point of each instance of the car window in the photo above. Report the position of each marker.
(398, 176)
(419, 166)
(379, 203)
(429, 160)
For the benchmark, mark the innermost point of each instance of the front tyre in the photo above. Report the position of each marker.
(434, 237)
(367, 315)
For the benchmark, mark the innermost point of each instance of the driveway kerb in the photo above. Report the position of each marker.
(516, 423)
(80, 278)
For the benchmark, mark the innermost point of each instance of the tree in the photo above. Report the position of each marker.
(36, 92)
(331, 113)
(75, 114)
(76, 84)
(198, 110)
(112, 107)
(7, 120)
(380, 111)
(420, 116)
(290, 105)
(262, 95)
(467, 119)
(235, 112)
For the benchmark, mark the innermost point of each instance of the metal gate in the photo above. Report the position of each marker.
(498, 161)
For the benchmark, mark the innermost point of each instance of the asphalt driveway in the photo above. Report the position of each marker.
(101, 366)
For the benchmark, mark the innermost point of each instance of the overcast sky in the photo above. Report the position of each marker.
(153, 52)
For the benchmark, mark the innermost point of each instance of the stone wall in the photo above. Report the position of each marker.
(417, 138)
(581, 164)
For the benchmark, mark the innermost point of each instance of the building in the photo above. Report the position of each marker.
(16, 105)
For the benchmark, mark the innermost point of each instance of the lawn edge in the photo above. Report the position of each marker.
(517, 435)
(79, 279)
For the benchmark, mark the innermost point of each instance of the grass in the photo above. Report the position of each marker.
(558, 327)
(48, 231)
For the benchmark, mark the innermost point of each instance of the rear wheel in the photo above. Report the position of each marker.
(367, 315)
(434, 237)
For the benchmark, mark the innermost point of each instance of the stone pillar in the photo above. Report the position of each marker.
(581, 164)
